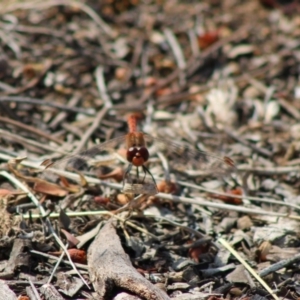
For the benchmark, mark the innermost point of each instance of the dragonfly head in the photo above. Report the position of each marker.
(137, 155)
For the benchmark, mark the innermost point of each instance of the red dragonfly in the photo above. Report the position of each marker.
(137, 155)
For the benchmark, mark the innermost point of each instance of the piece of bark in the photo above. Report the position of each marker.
(110, 268)
(238, 275)
(49, 292)
(5, 292)
(67, 284)
(19, 257)
(125, 296)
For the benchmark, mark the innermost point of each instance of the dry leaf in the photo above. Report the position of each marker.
(163, 92)
(244, 223)
(23, 298)
(263, 251)
(207, 39)
(73, 188)
(122, 199)
(195, 252)
(48, 188)
(117, 174)
(40, 185)
(73, 241)
(64, 219)
(101, 200)
(5, 192)
(167, 187)
(238, 275)
(228, 199)
(55, 253)
(121, 73)
(78, 256)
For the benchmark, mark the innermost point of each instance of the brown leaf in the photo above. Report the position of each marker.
(163, 92)
(73, 241)
(207, 39)
(16, 160)
(40, 185)
(121, 73)
(148, 81)
(55, 253)
(263, 251)
(117, 174)
(215, 298)
(237, 292)
(73, 188)
(78, 256)
(32, 70)
(23, 298)
(5, 192)
(101, 200)
(167, 187)
(122, 199)
(47, 163)
(228, 199)
(195, 252)
(48, 188)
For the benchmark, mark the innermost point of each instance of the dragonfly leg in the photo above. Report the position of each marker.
(146, 170)
(137, 173)
(126, 173)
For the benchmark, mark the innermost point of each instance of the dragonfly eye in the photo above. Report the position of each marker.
(131, 153)
(144, 153)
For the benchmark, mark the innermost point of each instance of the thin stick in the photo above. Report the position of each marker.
(194, 63)
(17, 138)
(56, 266)
(198, 200)
(95, 125)
(45, 4)
(269, 171)
(132, 225)
(178, 54)
(244, 263)
(261, 151)
(186, 228)
(36, 294)
(102, 87)
(29, 128)
(42, 102)
(62, 115)
(265, 200)
(279, 265)
(20, 185)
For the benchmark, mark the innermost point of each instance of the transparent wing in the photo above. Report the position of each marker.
(146, 187)
(183, 156)
(86, 158)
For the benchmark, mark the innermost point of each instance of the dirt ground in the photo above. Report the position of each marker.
(204, 203)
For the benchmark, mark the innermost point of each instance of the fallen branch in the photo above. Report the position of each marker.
(110, 268)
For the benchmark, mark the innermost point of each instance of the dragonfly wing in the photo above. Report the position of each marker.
(148, 188)
(183, 155)
(85, 158)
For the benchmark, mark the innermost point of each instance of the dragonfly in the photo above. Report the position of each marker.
(137, 155)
